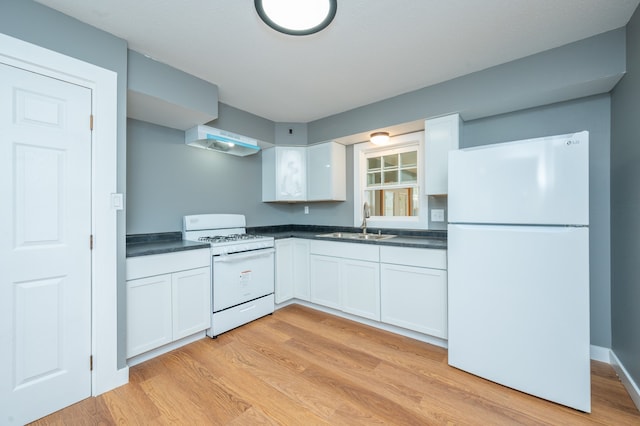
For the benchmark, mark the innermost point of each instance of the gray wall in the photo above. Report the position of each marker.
(587, 67)
(592, 114)
(625, 208)
(291, 134)
(34, 23)
(244, 123)
(158, 80)
(168, 179)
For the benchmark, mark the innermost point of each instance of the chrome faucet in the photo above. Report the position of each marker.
(366, 213)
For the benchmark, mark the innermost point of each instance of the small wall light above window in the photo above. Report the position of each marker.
(297, 17)
(379, 138)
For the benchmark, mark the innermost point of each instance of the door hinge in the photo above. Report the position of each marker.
(91, 362)
(91, 122)
(91, 242)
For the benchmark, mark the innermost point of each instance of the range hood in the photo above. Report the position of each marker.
(221, 140)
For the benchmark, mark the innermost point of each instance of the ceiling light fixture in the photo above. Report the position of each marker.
(297, 17)
(379, 138)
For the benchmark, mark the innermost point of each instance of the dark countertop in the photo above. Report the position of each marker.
(404, 238)
(159, 243)
(169, 242)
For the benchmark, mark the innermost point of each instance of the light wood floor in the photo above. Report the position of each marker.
(304, 367)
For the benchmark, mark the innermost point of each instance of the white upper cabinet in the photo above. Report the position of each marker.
(326, 172)
(284, 173)
(441, 135)
(315, 173)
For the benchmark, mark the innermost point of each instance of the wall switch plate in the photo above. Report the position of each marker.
(306, 209)
(437, 215)
(117, 201)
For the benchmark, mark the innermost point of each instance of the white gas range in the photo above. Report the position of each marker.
(242, 269)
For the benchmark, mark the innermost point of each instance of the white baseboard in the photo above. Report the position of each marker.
(135, 360)
(112, 381)
(436, 341)
(626, 379)
(599, 353)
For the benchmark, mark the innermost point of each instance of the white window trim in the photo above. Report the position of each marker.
(359, 184)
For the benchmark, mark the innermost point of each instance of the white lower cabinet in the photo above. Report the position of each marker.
(414, 289)
(292, 269)
(346, 276)
(325, 280)
(284, 281)
(191, 301)
(168, 298)
(360, 284)
(149, 323)
(401, 286)
(301, 287)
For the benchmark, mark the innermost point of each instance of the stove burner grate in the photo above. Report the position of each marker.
(228, 238)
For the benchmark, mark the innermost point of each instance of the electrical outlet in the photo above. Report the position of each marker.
(437, 215)
(306, 209)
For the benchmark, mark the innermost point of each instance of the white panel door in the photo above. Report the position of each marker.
(45, 259)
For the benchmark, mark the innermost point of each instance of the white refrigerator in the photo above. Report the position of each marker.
(518, 266)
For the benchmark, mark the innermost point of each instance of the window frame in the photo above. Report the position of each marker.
(396, 144)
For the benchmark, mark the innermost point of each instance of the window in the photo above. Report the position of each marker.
(392, 182)
(387, 178)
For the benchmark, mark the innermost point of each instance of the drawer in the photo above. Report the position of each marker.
(345, 250)
(166, 263)
(241, 314)
(410, 256)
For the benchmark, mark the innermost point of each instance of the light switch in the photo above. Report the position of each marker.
(437, 215)
(117, 201)
(306, 209)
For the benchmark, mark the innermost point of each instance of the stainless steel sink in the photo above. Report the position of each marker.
(356, 236)
(373, 236)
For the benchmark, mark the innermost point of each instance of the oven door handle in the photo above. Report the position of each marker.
(237, 257)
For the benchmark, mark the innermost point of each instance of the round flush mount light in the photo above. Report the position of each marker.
(297, 17)
(379, 138)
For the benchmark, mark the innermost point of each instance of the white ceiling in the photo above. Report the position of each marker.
(373, 50)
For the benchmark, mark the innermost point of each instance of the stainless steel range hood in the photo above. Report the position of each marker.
(221, 140)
